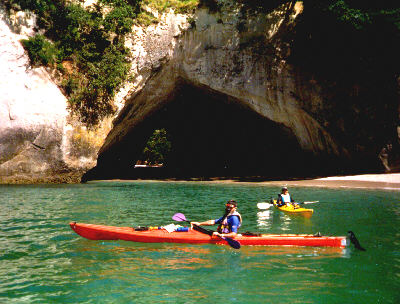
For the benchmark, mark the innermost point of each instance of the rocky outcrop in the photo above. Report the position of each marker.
(39, 140)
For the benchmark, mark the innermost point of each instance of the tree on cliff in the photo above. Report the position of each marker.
(353, 38)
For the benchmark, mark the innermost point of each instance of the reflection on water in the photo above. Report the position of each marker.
(191, 270)
(266, 219)
(263, 219)
(294, 251)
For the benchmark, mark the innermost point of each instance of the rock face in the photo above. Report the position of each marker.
(223, 88)
(231, 69)
(39, 140)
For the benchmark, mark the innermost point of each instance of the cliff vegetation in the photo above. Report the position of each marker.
(347, 43)
(352, 47)
(86, 45)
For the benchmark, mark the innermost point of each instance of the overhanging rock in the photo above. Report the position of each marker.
(233, 105)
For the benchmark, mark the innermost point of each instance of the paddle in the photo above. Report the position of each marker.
(180, 217)
(266, 205)
(354, 241)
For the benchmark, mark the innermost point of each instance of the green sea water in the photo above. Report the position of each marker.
(43, 261)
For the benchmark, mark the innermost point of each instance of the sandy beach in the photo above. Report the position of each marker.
(389, 181)
(368, 181)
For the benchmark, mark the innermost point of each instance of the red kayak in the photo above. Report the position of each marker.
(101, 232)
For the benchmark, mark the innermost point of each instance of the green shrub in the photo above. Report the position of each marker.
(179, 6)
(145, 18)
(120, 19)
(93, 42)
(40, 51)
(157, 148)
(70, 85)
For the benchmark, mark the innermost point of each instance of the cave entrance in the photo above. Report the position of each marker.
(212, 135)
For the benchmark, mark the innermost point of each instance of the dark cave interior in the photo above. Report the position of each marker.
(212, 135)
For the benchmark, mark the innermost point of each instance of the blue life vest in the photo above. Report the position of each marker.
(227, 225)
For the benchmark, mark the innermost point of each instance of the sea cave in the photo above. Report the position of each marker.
(213, 136)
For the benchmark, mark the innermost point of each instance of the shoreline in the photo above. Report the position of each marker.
(384, 181)
(349, 182)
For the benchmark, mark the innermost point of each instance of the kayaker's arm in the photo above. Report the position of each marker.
(206, 223)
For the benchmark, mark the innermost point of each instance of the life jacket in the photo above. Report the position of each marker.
(286, 198)
(224, 226)
(283, 199)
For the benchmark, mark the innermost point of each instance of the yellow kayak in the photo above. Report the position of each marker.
(293, 209)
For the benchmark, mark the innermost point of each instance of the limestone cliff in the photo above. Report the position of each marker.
(39, 140)
(236, 57)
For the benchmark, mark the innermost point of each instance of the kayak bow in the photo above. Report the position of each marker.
(101, 232)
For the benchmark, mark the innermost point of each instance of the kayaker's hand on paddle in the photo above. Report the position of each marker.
(194, 224)
(216, 233)
(230, 234)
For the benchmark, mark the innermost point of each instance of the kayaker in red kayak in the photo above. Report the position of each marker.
(285, 198)
(229, 223)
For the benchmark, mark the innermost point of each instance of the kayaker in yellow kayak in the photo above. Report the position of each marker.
(286, 199)
(229, 223)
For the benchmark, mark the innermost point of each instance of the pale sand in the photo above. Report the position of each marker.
(389, 181)
(369, 181)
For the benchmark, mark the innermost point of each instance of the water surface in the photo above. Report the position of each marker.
(43, 261)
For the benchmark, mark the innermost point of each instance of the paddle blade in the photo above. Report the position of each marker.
(310, 202)
(231, 242)
(179, 217)
(354, 240)
(234, 244)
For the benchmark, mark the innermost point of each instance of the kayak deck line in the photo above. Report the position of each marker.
(102, 232)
